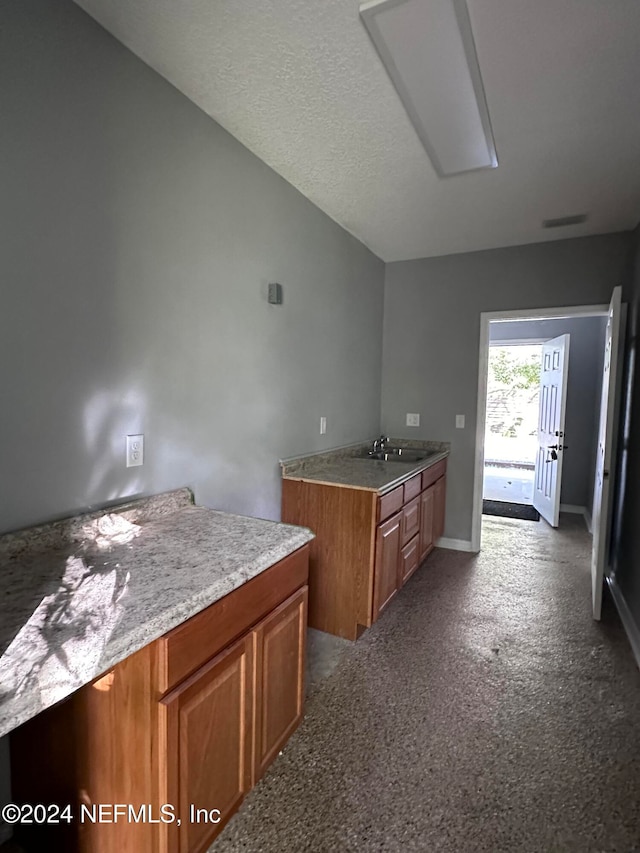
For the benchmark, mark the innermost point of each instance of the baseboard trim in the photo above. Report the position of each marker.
(578, 510)
(574, 508)
(455, 544)
(628, 622)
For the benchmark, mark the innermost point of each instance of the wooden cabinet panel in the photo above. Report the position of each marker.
(410, 520)
(207, 724)
(95, 747)
(341, 558)
(434, 473)
(426, 521)
(280, 656)
(390, 503)
(385, 583)
(412, 488)
(409, 559)
(440, 496)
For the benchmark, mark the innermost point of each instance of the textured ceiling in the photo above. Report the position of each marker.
(300, 84)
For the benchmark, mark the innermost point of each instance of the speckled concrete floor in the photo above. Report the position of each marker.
(485, 711)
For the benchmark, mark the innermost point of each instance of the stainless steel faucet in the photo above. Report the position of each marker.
(379, 443)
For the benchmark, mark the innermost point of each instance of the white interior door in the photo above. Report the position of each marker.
(601, 514)
(553, 403)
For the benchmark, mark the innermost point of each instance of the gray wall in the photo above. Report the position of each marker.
(137, 239)
(584, 387)
(626, 525)
(432, 334)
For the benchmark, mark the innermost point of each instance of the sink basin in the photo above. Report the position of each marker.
(396, 454)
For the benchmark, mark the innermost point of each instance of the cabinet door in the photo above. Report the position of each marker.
(385, 583)
(440, 496)
(207, 724)
(280, 659)
(409, 560)
(426, 521)
(410, 520)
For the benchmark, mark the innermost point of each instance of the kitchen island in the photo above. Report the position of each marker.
(176, 637)
(375, 523)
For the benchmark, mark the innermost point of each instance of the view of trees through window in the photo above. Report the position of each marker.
(512, 403)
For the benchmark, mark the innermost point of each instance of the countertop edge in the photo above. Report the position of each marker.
(382, 490)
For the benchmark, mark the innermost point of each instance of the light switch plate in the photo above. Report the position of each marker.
(135, 450)
(413, 419)
(323, 425)
(459, 421)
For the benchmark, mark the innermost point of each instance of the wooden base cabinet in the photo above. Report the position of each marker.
(207, 723)
(191, 721)
(366, 546)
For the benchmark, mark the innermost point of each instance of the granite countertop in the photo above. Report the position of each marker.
(79, 596)
(344, 467)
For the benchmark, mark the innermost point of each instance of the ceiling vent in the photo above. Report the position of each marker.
(428, 50)
(576, 219)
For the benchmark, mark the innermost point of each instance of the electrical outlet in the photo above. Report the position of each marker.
(413, 419)
(135, 450)
(323, 425)
(459, 421)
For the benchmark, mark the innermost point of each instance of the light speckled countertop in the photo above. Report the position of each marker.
(77, 597)
(343, 467)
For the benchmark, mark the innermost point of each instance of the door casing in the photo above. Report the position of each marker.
(486, 317)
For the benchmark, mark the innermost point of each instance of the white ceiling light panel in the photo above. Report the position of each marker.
(428, 50)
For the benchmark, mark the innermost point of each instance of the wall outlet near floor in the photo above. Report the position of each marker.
(323, 426)
(459, 421)
(413, 419)
(135, 450)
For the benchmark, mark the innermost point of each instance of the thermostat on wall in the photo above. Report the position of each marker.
(275, 293)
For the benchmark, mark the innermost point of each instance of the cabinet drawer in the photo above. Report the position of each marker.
(390, 503)
(190, 645)
(409, 559)
(412, 488)
(434, 473)
(410, 520)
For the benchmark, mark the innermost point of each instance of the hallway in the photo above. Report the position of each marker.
(484, 712)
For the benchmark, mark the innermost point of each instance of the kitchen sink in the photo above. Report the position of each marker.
(396, 454)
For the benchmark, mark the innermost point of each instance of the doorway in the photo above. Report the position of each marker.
(585, 326)
(511, 422)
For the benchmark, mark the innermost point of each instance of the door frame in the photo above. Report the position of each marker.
(487, 317)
